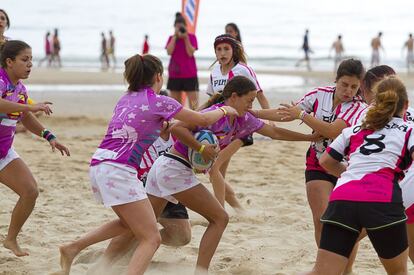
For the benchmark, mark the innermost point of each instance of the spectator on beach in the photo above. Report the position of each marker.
(307, 50)
(339, 50)
(182, 70)
(376, 45)
(145, 46)
(233, 30)
(48, 51)
(104, 53)
(56, 49)
(4, 24)
(111, 49)
(409, 44)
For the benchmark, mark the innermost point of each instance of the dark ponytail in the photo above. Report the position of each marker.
(390, 98)
(141, 70)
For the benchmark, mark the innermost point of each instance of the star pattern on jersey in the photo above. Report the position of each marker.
(158, 104)
(166, 178)
(132, 192)
(144, 107)
(110, 184)
(132, 115)
(188, 181)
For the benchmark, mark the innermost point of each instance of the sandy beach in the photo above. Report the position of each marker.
(275, 236)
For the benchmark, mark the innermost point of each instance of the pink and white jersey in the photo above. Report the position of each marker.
(135, 125)
(226, 130)
(320, 103)
(360, 116)
(158, 148)
(377, 160)
(8, 122)
(218, 80)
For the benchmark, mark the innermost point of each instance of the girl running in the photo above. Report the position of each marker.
(231, 62)
(135, 125)
(367, 194)
(16, 64)
(172, 178)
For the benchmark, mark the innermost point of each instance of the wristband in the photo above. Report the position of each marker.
(201, 150)
(46, 134)
(302, 115)
(224, 110)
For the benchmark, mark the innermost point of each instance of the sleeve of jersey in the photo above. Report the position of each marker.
(337, 148)
(210, 90)
(251, 124)
(309, 102)
(250, 74)
(166, 107)
(194, 41)
(349, 112)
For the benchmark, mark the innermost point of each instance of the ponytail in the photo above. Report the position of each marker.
(216, 98)
(141, 70)
(391, 97)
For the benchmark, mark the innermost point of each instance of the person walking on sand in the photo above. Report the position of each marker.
(48, 51)
(376, 45)
(307, 50)
(16, 64)
(111, 49)
(409, 45)
(56, 49)
(104, 53)
(338, 47)
(145, 46)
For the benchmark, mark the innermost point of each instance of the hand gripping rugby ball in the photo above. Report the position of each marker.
(195, 158)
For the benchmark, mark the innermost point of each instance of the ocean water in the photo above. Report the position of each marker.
(272, 30)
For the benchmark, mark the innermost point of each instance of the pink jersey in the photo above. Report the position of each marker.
(135, 125)
(360, 116)
(320, 103)
(225, 131)
(218, 80)
(158, 148)
(377, 160)
(181, 65)
(8, 122)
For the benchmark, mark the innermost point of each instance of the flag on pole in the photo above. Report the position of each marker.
(189, 10)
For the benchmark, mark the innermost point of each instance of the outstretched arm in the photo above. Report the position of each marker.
(204, 119)
(270, 114)
(8, 107)
(284, 134)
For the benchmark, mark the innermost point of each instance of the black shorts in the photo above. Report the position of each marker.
(174, 211)
(247, 140)
(354, 215)
(183, 84)
(319, 175)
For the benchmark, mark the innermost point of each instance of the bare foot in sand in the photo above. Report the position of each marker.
(15, 248)
(67, 255)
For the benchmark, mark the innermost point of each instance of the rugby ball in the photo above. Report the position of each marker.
(195, 158)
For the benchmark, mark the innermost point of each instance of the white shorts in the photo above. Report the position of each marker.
(115, 184)
(169, 175)
(11, 155)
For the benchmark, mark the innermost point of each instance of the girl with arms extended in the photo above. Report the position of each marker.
(16, 64)
(172, 178)
(135, 125)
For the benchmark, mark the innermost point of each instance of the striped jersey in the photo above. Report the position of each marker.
(377, 160)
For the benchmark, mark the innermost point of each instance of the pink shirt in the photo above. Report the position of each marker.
(181, 65)
(225, 131)
(8, 122)
(135, 125)
(377, 160)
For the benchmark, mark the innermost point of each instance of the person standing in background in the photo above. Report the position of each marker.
(4, 24)
(145, 47)
(182, 70)
(233, 30)
(409, 44)
(48, 51)
(339, 50)
(307, 50)
(104, 53)
(111, 49)
(376, 46)
(56, 49)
